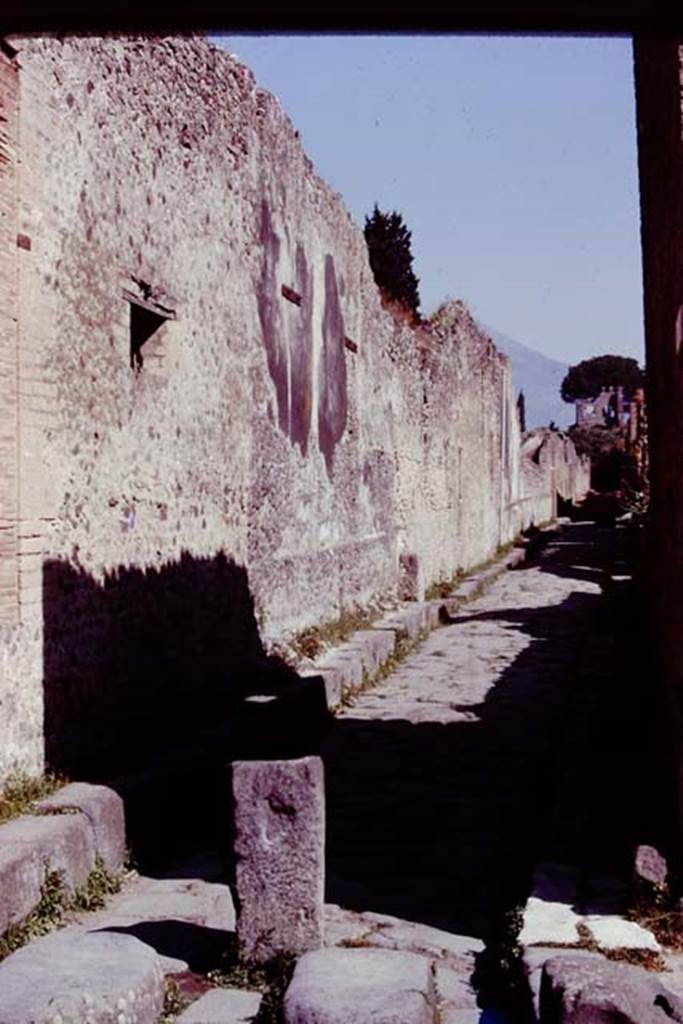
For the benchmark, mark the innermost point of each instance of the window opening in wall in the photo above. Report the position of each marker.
(143, 324)
(146, 320)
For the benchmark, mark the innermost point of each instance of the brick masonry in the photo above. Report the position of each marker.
(659, 88)
(251, 473)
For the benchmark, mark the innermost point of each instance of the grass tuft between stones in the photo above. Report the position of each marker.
(270, 979)
(20, 792)
(55, 903)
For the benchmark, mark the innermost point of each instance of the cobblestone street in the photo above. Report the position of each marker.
(440, 781)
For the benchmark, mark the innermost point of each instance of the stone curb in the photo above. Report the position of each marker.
(67, 833)
(347, 668)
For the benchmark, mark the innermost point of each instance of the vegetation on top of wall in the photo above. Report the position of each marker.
(21, 791)
(391, 259)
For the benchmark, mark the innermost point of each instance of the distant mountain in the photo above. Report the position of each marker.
(539, 377)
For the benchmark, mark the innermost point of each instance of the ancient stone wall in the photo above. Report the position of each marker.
(226, 437)
(659, 88)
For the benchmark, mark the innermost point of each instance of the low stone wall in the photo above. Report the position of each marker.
(224, 437)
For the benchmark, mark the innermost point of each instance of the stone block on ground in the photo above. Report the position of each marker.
(348, 664)
(74, 977)
(469, 588)
(456, 999)
(516, 558)
(29, 846)
(434, 614)
(593, 990)
(375, 646)
(546, 921)
(280, 849)
(223, 1006)
(649, 866)
(533, 961)
(360, 986)
(409, 620)
(333, 681)
(104, 810)
(612, 932)
(207, 904)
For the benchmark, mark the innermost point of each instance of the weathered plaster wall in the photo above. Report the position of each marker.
(659, 91)
(551, 470)
(281, 443)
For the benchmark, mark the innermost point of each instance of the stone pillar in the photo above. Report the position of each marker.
(280, 847)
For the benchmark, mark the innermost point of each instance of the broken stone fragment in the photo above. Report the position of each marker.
(649, 866)
(279, 845)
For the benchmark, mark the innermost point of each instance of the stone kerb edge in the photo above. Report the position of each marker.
(354, 664)
(67, 833)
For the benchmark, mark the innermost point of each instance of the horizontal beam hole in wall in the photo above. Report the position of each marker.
(291, 295)
(350, 344)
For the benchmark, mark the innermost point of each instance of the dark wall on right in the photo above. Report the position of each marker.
(659, 80)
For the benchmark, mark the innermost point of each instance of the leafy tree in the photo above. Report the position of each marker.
(588, 378)
(388, 242)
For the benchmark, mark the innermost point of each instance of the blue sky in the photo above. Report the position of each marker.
(511, 159)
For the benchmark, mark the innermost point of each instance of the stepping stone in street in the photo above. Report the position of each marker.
(76, 977)
(360, 986)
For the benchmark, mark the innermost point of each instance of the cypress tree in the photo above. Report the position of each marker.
(388, 241)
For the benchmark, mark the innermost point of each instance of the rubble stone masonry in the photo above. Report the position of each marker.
(213, 434)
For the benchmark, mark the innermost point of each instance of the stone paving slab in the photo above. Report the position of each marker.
(547, 922)
(104, 810)
(612, 933)
(207, 904)
(360, 986)
(223, 1006)
(75, 977)
(383, 931)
